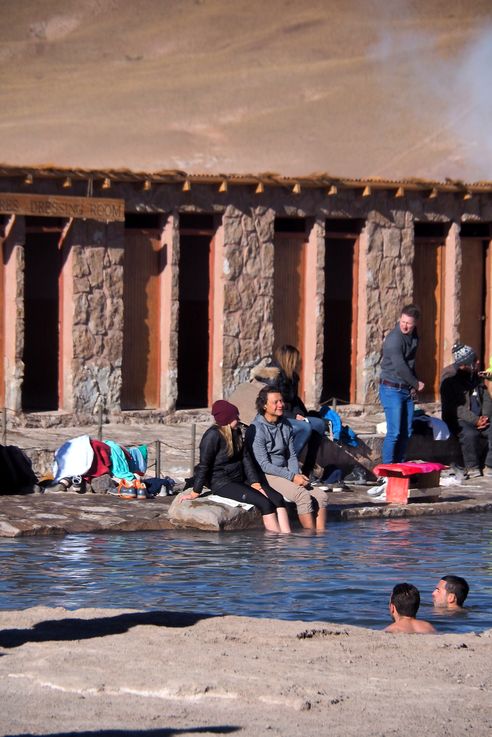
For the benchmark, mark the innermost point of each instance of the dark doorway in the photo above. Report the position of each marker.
(475, 247)
(194, 325)
(141, 299)
(41, 314)
(289, 282)
(340, 329)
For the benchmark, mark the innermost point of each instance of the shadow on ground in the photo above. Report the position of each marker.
(83, 629)
(164, 732)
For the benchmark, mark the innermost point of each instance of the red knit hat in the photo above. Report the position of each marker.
(224, 412)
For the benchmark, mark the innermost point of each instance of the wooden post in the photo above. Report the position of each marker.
(99, 422)
(158, 458)
(192, 454)
(4, 426)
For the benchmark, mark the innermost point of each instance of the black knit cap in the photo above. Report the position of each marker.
(463, 355)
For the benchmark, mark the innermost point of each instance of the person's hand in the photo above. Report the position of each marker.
(188, 495)
(257, 487)
(300, 479)
(482, 422)
(301, 418)
(420, 386)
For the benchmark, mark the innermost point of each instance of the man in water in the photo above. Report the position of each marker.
(450, 593)
(404, 605)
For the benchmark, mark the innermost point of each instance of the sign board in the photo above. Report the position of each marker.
(89, 208)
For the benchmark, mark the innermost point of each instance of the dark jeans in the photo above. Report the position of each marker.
(310, 432)
(398, 409)
(473, 444)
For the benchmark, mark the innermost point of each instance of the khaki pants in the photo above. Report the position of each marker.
(302, 498)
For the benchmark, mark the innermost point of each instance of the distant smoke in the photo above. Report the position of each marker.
(454, 91)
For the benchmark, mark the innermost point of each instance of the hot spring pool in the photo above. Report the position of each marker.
(344, 576)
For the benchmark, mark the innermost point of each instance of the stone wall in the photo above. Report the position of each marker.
(248, 292)
(389, 286)
(98, 257)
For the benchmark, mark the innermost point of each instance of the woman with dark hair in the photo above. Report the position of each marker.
(307, 429)
(226, 467)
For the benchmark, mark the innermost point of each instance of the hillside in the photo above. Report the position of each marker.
(354, 88)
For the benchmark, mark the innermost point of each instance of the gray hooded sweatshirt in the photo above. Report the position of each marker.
(272, 446)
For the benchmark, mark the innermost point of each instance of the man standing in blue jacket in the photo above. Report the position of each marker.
(398, 383)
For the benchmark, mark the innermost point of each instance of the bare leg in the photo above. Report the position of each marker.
(271, 523)
(283, 519)
(307, 521)
(321, 520)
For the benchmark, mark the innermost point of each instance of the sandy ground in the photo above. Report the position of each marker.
(161, 674)
(355, 88)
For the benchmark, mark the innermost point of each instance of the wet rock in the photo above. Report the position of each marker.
(204, 514)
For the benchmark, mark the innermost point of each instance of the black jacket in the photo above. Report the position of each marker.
(215, 468)
(457, 388)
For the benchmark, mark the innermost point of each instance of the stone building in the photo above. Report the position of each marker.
(149, 292)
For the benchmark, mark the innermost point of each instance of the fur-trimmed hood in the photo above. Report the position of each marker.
(266, 374)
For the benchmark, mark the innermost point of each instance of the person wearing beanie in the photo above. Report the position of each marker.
(467, 409)
(226, 467)
(398, 384)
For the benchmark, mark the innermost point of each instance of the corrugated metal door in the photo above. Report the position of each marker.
(141, 339)
(289, 276)
(472, 304)
(428, 275)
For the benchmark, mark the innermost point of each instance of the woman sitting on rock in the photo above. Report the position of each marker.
(227, 469)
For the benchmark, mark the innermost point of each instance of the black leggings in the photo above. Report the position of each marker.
(244, 493)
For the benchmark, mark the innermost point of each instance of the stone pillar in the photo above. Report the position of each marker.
(312, 350)
(169, 286)
(387, 250)
(452, 291)
(248, 292)
(13, 254)
(97, 252)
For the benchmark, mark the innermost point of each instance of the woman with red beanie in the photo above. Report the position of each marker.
(227, 469)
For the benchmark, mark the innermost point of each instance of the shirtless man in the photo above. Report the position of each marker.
(403, 606)
(450, 593)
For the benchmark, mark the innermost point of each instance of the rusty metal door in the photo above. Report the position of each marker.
(428, 294)
(288, 289)
(472, 304)
(2, 318)
(141, 335)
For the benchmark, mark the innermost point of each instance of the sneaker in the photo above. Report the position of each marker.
(487, 472)
(358, 477)
(473, 473)
(340, 486)
(126, 490)
(78, 484)
(378, 490)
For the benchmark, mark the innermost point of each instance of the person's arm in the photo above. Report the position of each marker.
(292, 462)
(250, 468)
(263, 459)
(209, 447)
(393, 350)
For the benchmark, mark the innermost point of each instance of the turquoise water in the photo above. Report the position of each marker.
(344, 576)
